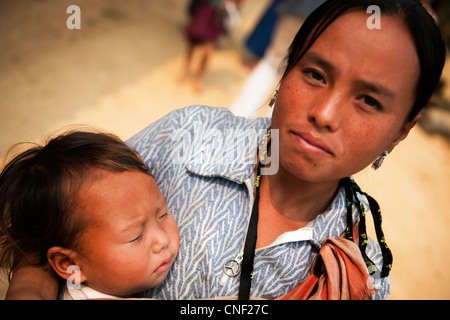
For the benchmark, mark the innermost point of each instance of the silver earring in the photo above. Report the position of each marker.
(377, 163)
(273, 99)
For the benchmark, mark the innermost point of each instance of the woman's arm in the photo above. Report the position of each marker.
(33, 283)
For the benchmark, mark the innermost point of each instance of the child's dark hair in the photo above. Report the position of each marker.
(38, 190)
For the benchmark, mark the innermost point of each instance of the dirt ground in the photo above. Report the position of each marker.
(118, 73)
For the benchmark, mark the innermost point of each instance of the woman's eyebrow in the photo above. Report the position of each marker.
(375, 88)
(315, 58)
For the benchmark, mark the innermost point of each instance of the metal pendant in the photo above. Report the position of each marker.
(232, 268)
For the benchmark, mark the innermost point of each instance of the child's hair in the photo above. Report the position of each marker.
(38, 192)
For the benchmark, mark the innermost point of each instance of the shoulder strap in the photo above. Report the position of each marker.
(351, 191)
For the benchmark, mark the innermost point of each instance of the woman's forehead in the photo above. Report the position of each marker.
(348, 40)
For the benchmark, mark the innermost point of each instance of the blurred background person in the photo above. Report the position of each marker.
(259, 39)
(209, 19)
(263, 78)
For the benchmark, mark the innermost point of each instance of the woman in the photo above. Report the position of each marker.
(348, 96)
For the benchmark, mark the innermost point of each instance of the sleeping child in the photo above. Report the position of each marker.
(87, 205)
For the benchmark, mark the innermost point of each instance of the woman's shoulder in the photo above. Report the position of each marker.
(191, 125)
(217, 117)
(194, 118)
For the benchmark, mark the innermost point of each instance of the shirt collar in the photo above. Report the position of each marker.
(234, 160)
(329, 224)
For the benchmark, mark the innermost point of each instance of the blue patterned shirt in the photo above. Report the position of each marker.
(203, 161)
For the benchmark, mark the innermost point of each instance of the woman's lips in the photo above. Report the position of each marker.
(312, 144)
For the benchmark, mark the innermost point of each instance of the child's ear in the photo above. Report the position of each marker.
(64, 262)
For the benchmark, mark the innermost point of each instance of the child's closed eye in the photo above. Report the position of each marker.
(138, 238)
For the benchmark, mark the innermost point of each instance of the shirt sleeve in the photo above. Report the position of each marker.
(142, 141)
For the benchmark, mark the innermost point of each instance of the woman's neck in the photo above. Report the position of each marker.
(287, 204)
(294, 199)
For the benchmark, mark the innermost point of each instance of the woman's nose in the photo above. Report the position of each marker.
(326, 112)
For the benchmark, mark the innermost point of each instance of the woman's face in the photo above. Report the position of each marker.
(346, 100)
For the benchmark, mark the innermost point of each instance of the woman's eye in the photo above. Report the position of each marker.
(314, 75)
(371, 102)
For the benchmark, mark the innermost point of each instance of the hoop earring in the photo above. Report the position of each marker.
(273, 99)
(377, 163)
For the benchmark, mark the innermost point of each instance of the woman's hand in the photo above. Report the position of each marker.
(33, 283)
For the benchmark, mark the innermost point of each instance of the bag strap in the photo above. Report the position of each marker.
(351, 192)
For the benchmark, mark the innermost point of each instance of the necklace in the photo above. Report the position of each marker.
(351, 190)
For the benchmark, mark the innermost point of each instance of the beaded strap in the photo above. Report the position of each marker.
(351, 191)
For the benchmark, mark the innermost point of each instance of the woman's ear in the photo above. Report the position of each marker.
(404, 132)
(65, 262)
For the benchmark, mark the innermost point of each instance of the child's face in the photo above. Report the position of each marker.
(132, 240)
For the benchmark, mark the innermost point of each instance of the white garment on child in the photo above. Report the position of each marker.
(83, 293)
